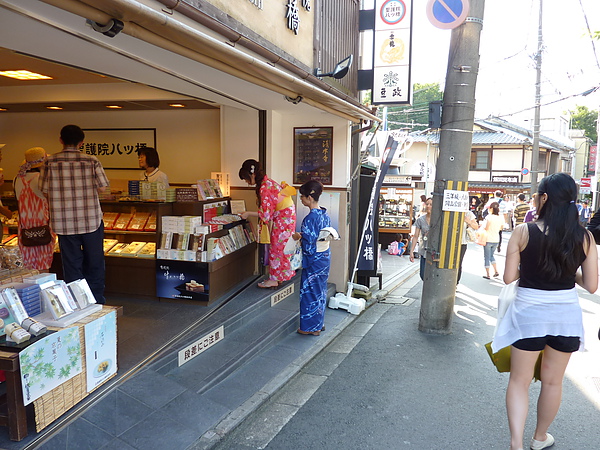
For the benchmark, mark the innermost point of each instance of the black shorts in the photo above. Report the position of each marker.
(565, 344)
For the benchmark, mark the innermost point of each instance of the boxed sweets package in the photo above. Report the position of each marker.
(81, 293)
(122, 221)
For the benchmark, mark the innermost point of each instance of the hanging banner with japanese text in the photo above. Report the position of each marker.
(366, 255)
(392, 45)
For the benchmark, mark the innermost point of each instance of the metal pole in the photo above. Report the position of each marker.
(535, 152)
(595, 178)
(452, 169)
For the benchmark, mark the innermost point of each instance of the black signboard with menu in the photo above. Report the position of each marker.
(313, 155)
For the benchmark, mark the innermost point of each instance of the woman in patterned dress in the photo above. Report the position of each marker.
(33, 209)
(276, 209)
(315, 261)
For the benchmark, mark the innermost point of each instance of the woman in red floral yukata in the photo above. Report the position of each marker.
(275, 209)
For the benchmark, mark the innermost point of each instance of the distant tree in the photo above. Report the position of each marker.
(585, 119)
(416, 116)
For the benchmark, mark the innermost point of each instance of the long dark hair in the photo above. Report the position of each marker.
(249, 167)
(563, 237)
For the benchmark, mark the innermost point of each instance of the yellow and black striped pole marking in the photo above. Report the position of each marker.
(451, 232)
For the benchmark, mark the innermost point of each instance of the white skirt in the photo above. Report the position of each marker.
(537, 313)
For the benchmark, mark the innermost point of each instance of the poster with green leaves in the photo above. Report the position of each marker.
(50, 362)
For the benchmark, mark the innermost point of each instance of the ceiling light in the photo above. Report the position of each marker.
(176, 105)
(113, 106)
(53, 107)
(24, 75)
(3, 109)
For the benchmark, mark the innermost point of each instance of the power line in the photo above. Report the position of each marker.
(587, 24)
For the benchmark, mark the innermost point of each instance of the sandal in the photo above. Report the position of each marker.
(486, 277)
(264, 285)
(314, 333)
(496, 274)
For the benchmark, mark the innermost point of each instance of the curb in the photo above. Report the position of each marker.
(232, 420)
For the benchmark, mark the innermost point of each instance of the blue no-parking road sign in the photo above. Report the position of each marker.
(447, 14)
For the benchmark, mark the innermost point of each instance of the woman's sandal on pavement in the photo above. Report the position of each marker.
(314, 333)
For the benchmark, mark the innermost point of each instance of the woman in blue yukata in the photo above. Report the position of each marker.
(316, 259)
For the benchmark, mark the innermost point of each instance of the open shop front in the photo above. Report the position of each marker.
(129, 91)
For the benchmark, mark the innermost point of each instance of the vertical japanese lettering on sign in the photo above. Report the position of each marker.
(313, 155)
(392, 52)
(116, 148)
(292, 13)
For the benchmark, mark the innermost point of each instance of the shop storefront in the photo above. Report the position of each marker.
(170, 90)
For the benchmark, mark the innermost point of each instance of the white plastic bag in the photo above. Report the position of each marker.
(507, 296)
(290, 246)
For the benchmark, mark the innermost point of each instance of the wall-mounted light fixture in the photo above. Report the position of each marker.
(111, 29)
(293, 100)
(340, 71)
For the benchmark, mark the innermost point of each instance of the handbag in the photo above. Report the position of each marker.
(481, 237)
(471, 234)
(501, 359)
(290, 246)
(35, 236)
(507, 296)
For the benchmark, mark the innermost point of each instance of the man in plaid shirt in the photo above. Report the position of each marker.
(71, 181)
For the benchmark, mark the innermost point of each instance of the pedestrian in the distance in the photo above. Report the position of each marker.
(492, 225)
(316, 260)
(584, 214)
(546, 314)
(420, 237)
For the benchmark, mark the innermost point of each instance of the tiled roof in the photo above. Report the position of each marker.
(495, 133)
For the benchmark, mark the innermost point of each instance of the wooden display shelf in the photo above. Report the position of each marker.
(394, 230)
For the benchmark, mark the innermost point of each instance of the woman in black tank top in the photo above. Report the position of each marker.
(545, 256)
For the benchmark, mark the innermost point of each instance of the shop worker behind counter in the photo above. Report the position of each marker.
(72, 181)
(149, 161)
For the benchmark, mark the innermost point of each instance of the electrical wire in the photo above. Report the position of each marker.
(587, 24)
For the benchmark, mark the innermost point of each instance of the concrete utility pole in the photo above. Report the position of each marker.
(535, 151)
(452, 172)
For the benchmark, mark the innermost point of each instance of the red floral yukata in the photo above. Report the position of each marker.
(282, 227)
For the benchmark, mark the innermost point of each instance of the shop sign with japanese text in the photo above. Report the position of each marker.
(292, 15)
(392, 52)
(505, 179)
(455, 201)
(116, 148)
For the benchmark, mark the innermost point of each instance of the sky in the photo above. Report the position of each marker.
(506, 80)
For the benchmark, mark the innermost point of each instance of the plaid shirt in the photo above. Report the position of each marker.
(71, 181)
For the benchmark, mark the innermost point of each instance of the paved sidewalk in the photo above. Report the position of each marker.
(382, 384)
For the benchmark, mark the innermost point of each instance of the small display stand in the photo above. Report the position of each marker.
(76, 316)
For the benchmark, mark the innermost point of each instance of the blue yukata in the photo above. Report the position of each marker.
(315, 271)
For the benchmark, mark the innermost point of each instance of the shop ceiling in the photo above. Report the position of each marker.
(94, 90)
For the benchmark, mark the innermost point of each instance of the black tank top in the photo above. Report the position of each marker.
(529, 272)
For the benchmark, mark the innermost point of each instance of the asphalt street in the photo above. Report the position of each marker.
(382, 384)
